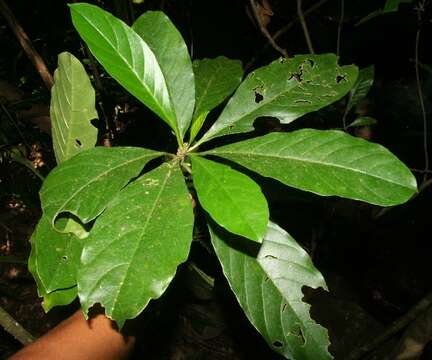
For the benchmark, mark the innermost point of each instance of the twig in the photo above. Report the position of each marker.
(339, 33)
(26, 44)
(307, 12)
(14, 124)
(425, 184)
(421, 171)
(345, 128)
(415, 338)
(283, 30)
(420, 9)
(131, 11)
(14, 328)
(264, 30)
(304, 26)
(109, 126)
(394, 328)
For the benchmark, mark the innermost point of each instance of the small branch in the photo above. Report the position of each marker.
(109, 126)
(344, 119)
(425, 184)
(420, 9)
(264, 30)
(288, 26)
(14, 328)
(14, 124)
(131, 11)
(26, 44)
(421, 171)
(304, 26)
(394, 328)
(284, 29)
(415, 338)
(340, 25)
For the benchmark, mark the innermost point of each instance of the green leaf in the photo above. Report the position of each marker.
(215, 80)
(59, 297)
(197, 124)
(55, 298)
(170, 50)
(231, 198)
(15, 154)
(126, 57)
(361, 87)
(72, 108)
(268, 287)
(390, 6)
(393, 5)
(57, 256)
(326, 163)
(83, 185)
(286, 89)
(370, 16)
(363, 121)
(135, 246)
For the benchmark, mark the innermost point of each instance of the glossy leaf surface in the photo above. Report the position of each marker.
(84, 184)
(215, 80)
(361, 87)
(72, 108)
(170, 50)
(326, 163)
(231, 198)
(135, 246)
(268, 285)
(126, 57)
(285, 89)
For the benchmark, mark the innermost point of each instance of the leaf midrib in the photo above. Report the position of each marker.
(93, 180)
(205, 92)
(144, 228)
(284, 297)
(135, 73)
(266, 100)
(302, 160)
(222, 188)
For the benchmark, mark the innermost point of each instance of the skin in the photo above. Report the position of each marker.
(76, 338)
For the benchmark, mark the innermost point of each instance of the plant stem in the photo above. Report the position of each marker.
(304, 26)
(307, 12)
(394, 328)
(344, 119)
(14, 328)
(425, 184)
(284, 29)
(420, 91)
(264, 30)
(14, 124)
(26, 44)
(339, 33)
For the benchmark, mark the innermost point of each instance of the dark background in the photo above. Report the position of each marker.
(377, 264)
